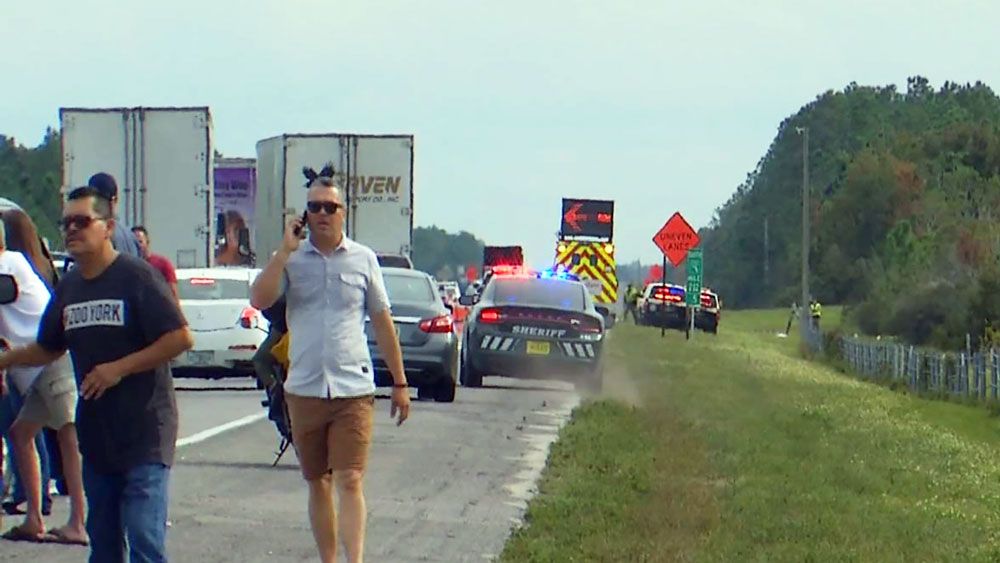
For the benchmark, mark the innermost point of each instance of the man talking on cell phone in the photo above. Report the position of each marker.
(330, 284)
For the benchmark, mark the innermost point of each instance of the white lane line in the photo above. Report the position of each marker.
(215, 431)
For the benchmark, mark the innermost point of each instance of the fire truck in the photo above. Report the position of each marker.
(586, 249)
(501, 256)
(498, 258)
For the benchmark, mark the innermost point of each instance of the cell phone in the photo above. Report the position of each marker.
(299, 231)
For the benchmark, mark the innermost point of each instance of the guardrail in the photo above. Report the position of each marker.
(960, 374)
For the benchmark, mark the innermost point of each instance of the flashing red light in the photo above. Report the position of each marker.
(510, 271)
(202, 281)
(248, 318)
(437, 325)
(668, 294)
(489, 316)
(506, 269)
(603, 217)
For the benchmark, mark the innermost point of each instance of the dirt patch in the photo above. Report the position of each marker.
(619, 385)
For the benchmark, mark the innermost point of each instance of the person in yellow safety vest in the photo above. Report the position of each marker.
(815, 312)
(631, 302)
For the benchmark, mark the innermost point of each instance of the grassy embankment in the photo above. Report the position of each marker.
(732, 448)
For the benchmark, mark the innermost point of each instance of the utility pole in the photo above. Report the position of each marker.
(805, 323)
(767, 254)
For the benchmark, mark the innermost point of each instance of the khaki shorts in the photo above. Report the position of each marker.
(331, 434)
(51, 400)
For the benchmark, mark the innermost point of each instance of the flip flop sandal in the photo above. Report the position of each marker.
(18, 533)
(59, 536)
(13, 509)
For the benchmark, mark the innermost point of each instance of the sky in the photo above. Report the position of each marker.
(659, 106)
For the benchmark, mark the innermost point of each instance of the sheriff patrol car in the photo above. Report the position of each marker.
(536, 326)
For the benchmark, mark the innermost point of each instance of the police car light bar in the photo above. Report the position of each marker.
(510, 271)
(558, 273)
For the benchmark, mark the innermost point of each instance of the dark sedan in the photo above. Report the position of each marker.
(533, 326)
(426, 335)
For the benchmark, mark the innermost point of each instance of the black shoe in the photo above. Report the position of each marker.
(14, 509)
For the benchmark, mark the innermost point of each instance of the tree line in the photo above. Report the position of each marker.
(31, 177)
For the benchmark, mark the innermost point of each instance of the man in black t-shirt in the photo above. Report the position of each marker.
(121, 325)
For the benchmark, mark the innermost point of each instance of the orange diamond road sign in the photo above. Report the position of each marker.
(675, 238)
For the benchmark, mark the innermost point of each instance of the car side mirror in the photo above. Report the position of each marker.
(468, 300)
(8, 289)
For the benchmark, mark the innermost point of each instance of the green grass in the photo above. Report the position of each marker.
(738, 450)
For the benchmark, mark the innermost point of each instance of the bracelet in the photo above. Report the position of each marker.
(400, 385)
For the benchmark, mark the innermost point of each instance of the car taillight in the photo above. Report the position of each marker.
(590, 326)
(489, 316)
(442, 324)
(248, 318)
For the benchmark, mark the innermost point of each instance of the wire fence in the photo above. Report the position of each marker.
(973, 375)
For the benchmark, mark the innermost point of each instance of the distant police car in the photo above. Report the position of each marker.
(533, 325)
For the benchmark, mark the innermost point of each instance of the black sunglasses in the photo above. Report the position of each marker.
(328, 207)
(80, 222)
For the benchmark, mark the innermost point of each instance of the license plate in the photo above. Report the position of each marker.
(201, 358)
(541, 348)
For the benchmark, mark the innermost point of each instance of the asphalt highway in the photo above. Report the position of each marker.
(449, 485)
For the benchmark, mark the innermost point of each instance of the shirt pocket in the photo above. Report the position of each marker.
(352, 288)
(304, 285)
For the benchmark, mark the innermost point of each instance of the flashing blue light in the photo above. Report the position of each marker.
(559, 274)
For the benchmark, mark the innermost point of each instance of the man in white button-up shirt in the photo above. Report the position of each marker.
(331, 284)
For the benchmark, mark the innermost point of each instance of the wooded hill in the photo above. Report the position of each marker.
(905, 194)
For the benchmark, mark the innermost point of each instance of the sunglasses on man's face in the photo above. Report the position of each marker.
(77, 222)
(328, 207)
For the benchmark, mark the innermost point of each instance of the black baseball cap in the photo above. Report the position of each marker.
(104, 183)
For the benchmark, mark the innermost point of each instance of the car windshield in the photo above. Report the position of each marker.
(207, 289)
(539, 293)
(408, 288)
